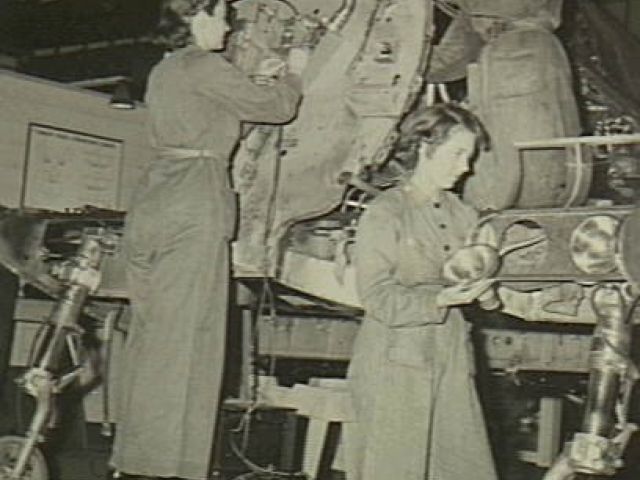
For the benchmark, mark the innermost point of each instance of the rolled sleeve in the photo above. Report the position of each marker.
(218, 79)
(459, 47)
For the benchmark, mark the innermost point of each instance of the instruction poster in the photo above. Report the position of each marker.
(67, 170)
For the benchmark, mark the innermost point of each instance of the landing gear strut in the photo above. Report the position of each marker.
(597, 449)
(20, 458)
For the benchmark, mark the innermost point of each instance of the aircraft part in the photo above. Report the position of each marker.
(597, 449)
(629, 248)
(359, 81)
(80, 276)
(10, 448)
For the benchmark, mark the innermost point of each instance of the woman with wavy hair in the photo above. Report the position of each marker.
(417, 415)
(176, 242)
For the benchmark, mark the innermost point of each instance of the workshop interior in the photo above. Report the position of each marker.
(558, 390)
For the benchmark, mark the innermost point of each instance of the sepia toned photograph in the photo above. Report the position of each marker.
(319, 239)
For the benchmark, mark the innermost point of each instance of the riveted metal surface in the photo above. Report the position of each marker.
(551, 258)
(629, 247)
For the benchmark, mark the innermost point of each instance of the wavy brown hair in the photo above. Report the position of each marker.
(433, 125)
(173, 29)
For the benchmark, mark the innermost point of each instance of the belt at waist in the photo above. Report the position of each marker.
(491, 28)
(181, 153)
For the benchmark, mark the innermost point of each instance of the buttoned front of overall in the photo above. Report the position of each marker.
(411, 375)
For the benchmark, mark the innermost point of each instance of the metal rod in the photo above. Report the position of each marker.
(99, 82)
(620, 139)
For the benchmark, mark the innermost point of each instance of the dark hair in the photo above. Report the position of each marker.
(433, 125)
(173, 30)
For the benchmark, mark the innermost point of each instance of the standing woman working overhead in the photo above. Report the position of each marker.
(411, 373)
(177, 240)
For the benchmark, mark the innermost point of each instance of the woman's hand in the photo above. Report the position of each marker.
(471, 263)
(269, 70)
(298, 59)
(463, 293)
(272, 67)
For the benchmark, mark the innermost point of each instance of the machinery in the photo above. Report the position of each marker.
(303, 186)
(302, 237)
(59, 358)
(595, 250)
(363, 74)
(598, 448)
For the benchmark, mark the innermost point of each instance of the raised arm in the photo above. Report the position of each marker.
(459, 46)
(219, 79)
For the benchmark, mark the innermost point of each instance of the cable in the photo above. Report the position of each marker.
(293, 8)
(244, 426)
(256, 469)
(107, 347)
(448, 7)
(267, 296)
(271, 207)
(266, 301)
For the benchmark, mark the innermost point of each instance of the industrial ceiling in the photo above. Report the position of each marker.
(79, 40)
(72, 40)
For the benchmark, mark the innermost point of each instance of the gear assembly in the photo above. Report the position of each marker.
(330, 117)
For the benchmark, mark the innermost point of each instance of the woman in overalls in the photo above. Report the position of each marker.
(177, 244)
(411, 377)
